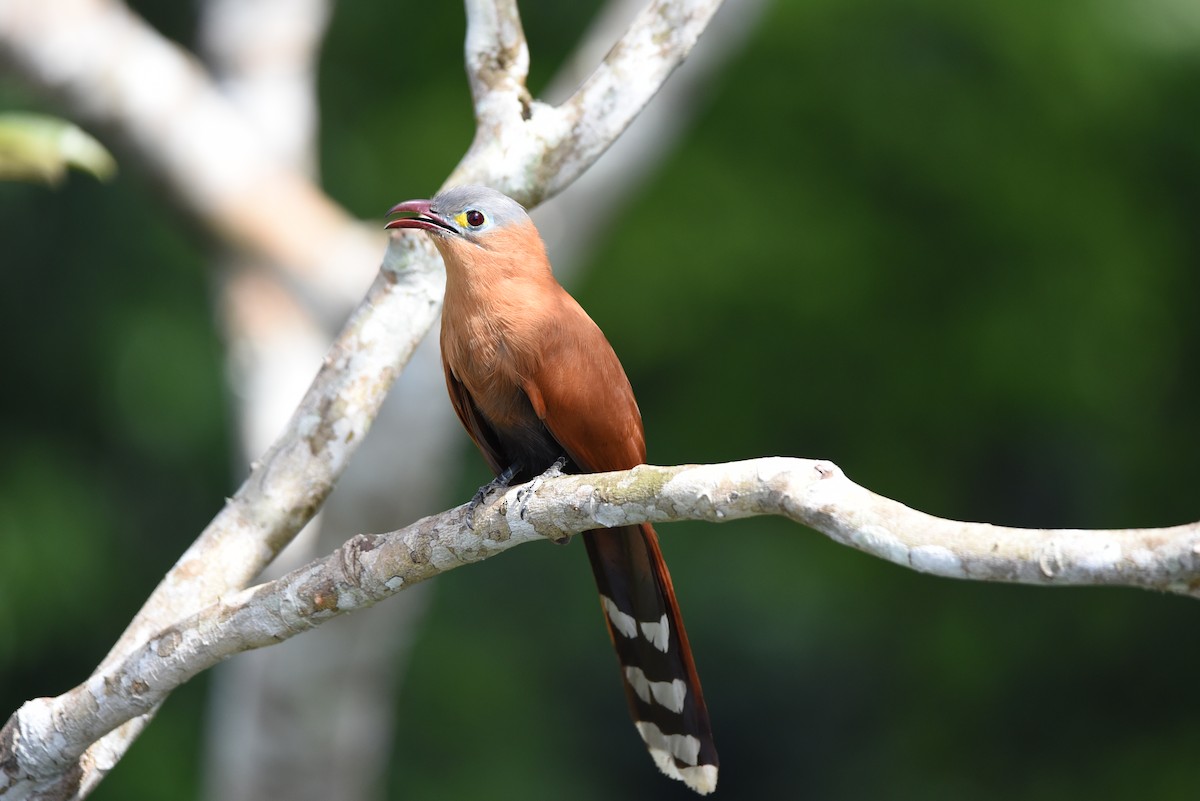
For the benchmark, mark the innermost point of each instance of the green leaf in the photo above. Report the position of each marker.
(34, 147)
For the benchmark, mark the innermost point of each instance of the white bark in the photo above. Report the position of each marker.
(284, 721)
(96, 56)
(586, 210)
(533, 150)
(311, 719)
(282, 725)
(48, 733)
(106, 65)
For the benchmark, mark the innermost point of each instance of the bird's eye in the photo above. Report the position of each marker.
(475, 218)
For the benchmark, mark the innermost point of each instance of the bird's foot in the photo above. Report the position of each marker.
(500, 482)
(553, 471)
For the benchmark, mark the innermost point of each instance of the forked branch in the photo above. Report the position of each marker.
(228, 186)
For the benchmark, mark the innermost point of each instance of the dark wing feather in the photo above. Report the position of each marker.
(477, 426)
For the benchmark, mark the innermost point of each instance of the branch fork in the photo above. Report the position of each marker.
(527, 149)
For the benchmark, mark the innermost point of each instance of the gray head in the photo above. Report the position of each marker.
(463, 211)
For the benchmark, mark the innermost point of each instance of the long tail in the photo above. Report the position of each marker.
(658, 673)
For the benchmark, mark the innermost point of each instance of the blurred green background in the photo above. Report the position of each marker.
(951, 246)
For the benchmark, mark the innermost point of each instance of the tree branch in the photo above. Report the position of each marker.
(95, 57)
(286, 486)
(591, 206)
(497, 55)
(48, 733)
(533, 150)
(262, 739)
(106, 64)
(657, 42)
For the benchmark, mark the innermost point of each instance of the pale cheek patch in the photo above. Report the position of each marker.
(666, 748)
(669, 694)
(622, 622)
(657, 633)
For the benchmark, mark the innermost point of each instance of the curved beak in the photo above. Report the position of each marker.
(423, 217)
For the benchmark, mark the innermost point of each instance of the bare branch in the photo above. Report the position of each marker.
(532, 150)
(513, 132)
(290, 482)
(48, 733)
(657, 42)
(104, 63)
(97, 57)
(497, 55)
(262, 739)
(592, 204)
(296, 474)
(264, 55)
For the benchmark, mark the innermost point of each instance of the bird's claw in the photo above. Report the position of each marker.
(500, 482)
(553, 471)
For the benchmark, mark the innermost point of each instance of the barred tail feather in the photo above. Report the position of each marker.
(659, 675)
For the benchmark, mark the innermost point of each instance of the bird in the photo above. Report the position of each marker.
(534, 381)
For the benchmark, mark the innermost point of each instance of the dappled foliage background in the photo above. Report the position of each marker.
(951, 246)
